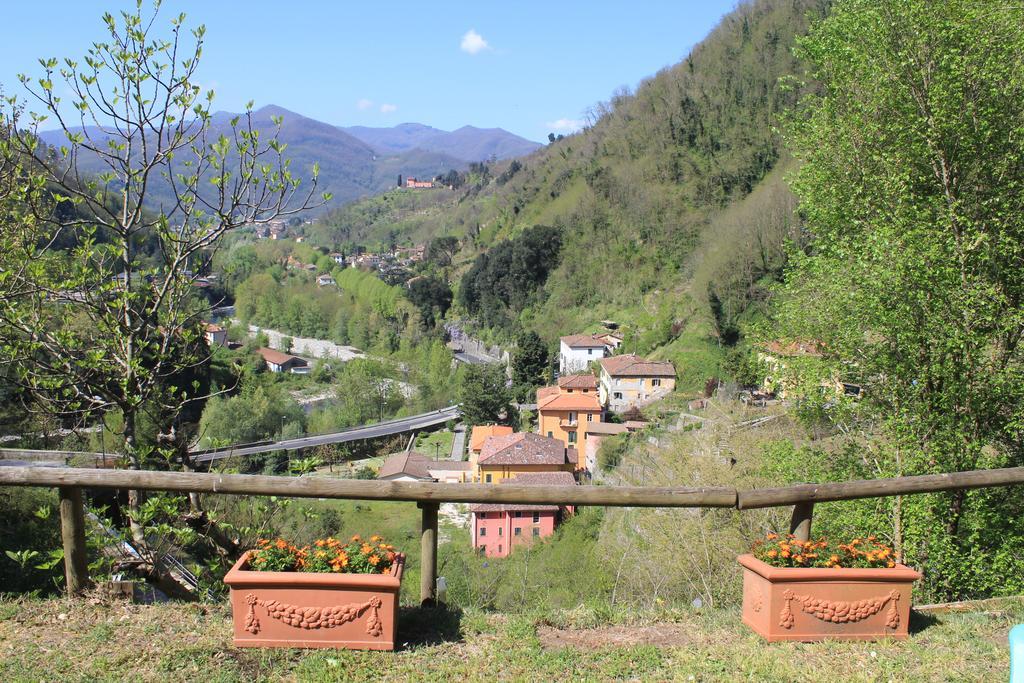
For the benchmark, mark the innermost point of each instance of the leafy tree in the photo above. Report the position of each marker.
(910, 185)
(98, 311)
(485, 396)
(530, 359)
(441, 250)
(432, 296)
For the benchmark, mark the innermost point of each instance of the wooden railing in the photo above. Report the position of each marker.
(428, 496)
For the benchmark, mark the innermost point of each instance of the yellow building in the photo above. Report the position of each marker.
(629, 381)
(566, 411)
(522, 453)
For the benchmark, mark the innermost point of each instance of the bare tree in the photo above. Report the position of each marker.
(103, 237)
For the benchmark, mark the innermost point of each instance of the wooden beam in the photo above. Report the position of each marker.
(355, 489)
(876, 488)
(800, 524)
(428, 554)
(72, 533)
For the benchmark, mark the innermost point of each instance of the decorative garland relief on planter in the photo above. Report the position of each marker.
(839, 611)
(314, 617)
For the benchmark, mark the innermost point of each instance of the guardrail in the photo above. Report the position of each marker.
(428, 496)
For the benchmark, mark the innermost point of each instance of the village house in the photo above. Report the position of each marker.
(325, 280)
(498, 528)
(215, 335)
(521, 453)
(414, 466)
(629, 381)
(479, 434)
(338, 258)
(278, 361)
(566, 411)
(613, 340)
(577, 351)
(413, 184)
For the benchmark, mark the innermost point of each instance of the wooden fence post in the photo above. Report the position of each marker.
(72, 532)
(800, 525)
(428, 553)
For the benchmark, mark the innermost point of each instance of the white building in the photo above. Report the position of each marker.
(576, 352)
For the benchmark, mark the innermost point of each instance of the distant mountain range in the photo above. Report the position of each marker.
(467, 143)
(351, 165)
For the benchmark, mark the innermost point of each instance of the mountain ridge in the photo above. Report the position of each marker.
(468, 143)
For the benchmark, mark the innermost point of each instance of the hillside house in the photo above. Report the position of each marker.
(498, 528)
(414, 466)
(503, 457)
(566, 411)
(413, 184)
(629, 381)
(612, 340)
(325, 280)
(215, 335)
(479, 435)
(278, 361)
(338, 258)
(576, 352)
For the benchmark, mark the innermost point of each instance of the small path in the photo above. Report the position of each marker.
(459, 442)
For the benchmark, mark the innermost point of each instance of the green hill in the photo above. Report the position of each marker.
(671, 203)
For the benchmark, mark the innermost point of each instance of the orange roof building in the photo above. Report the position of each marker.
(566, 411)
(522, 453)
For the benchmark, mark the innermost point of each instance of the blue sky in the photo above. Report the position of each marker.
(529, 67)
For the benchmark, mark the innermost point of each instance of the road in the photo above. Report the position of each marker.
(459, 442)
(474, 359)
(387, 428)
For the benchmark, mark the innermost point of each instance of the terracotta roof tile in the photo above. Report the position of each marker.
(530, 479)
(449, 465)
(577, 382)
(629, 365)
(276, 357)
(570, 402)
(606, 428)
(481, 433)
(546, 392)
(524, 448)
(584, 341)
(410, 464)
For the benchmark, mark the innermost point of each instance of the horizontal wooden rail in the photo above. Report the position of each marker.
(358, 489)
(32, 454)
(875, 488)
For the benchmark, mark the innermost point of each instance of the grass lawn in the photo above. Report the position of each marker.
(442, 440)
(99, 639)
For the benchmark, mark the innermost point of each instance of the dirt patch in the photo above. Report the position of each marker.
(665, 635)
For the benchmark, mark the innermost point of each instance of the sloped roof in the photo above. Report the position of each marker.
(531, 479)
(629, 365)
(606, 428)
(449, 465)
(546, 392)
(481, 433)
(524, 448)
(584, 341)
(569, 402)
(411, 464)
(577, 382)
(277, 357)
(213, 327)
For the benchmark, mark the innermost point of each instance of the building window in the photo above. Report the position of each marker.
(590, 417)
(549, 435)
(500, 530)
(590, 352)
(617, 395)
(483, 531)
(572, 417)
(519, 513)
(499, 548)
(536, 518)
(655, 382)
(536, 531)
(483, 549)
(519, 531)
(572, 437)
(487, 479)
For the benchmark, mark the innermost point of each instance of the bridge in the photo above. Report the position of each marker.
(14, 457)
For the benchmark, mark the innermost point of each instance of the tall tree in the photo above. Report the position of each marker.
(485, 396)
(98, 311)
(530, 359)
(911, 186)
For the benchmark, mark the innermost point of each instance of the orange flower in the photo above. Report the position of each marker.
(375, 539)
(772, 537)
(355, 539)
(834, 559)
(772, 553)
(784, 553)
(321, 543)
(281, 544)
(373, 560)
(366, 549)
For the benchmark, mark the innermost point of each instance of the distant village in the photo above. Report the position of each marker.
(574, 416)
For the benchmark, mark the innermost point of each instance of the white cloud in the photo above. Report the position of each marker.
(473, 42)
(566, 125)
(364, 104)
(388, 108)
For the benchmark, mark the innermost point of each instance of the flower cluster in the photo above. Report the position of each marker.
(355, 556)
(789, 551)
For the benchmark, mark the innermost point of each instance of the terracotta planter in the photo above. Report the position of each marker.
(817, 604)
(298, 609)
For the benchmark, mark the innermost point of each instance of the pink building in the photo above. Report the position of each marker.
(499, 528)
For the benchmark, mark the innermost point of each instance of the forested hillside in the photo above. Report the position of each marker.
(646, 197)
